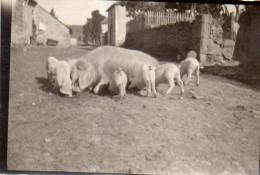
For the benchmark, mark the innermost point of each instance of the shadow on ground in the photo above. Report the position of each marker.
(232, 73)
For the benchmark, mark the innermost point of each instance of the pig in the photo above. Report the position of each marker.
(51, 64)
(189, 66)
(83, 75)
(167, 73)
(147, 78)
(117, 84)
(107, 59)
(63, 81)
(192, 54)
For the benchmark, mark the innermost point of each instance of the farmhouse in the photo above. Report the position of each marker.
(117, 20)
(33, 25)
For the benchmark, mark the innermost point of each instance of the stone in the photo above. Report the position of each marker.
(217, 35)
(256, 114)
(33, 104)
(219, 41)
(228, 43)
(219, 59)
(218, 30)
(228, 53)
(203, 58)
(214, 49)
(197, 97)
(47, 140)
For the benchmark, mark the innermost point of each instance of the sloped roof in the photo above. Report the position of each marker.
(116, 3)
(34, 3)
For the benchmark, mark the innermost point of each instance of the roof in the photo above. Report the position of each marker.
(105, 21)
(116, 3)
(53, 17)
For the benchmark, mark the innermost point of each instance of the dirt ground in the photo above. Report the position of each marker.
(210, 129)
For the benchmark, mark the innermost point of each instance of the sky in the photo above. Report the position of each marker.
(76, 12)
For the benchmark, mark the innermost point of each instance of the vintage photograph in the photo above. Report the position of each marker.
(134, 87)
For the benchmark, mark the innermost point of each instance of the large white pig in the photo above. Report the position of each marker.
(167, 73)
(107, 59)
(189, 66)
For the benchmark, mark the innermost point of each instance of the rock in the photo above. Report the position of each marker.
(197, 97)
(150, 158)
(219, 58)
(219, 41)
(47, 140)
(33, 104)
(228, 43)
(241, 107)
(228, 53)
(256, 114)
(217, 30)
(214, 49)
(144, 106)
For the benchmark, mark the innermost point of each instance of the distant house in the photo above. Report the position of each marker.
(76, 35)
(104, 27)
(117, 20)
(33, 25)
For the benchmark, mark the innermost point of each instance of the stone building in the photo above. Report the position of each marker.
(104, 27)
(33, 25)
(117, 20)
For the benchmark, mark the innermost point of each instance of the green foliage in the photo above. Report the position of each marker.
(92, 29)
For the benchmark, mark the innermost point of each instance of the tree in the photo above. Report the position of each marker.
(201, 8)
(137, 9)
(53, 13)
(92, 29)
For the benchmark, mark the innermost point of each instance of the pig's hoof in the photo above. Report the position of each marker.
(95, 91)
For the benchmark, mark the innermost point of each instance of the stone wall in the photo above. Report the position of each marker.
(216, 44)
(204, 35)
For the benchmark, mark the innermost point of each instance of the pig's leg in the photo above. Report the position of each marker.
(148, 85)
(153, 89)
(170, 82)
(198, 76)
(189, 74)
(121, 90)
(179, 81)
(104, 80)
(124, 87)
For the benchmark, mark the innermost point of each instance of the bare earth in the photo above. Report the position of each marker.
(214, 132)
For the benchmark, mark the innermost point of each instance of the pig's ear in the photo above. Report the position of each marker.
(83, 80)
(66, 87)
